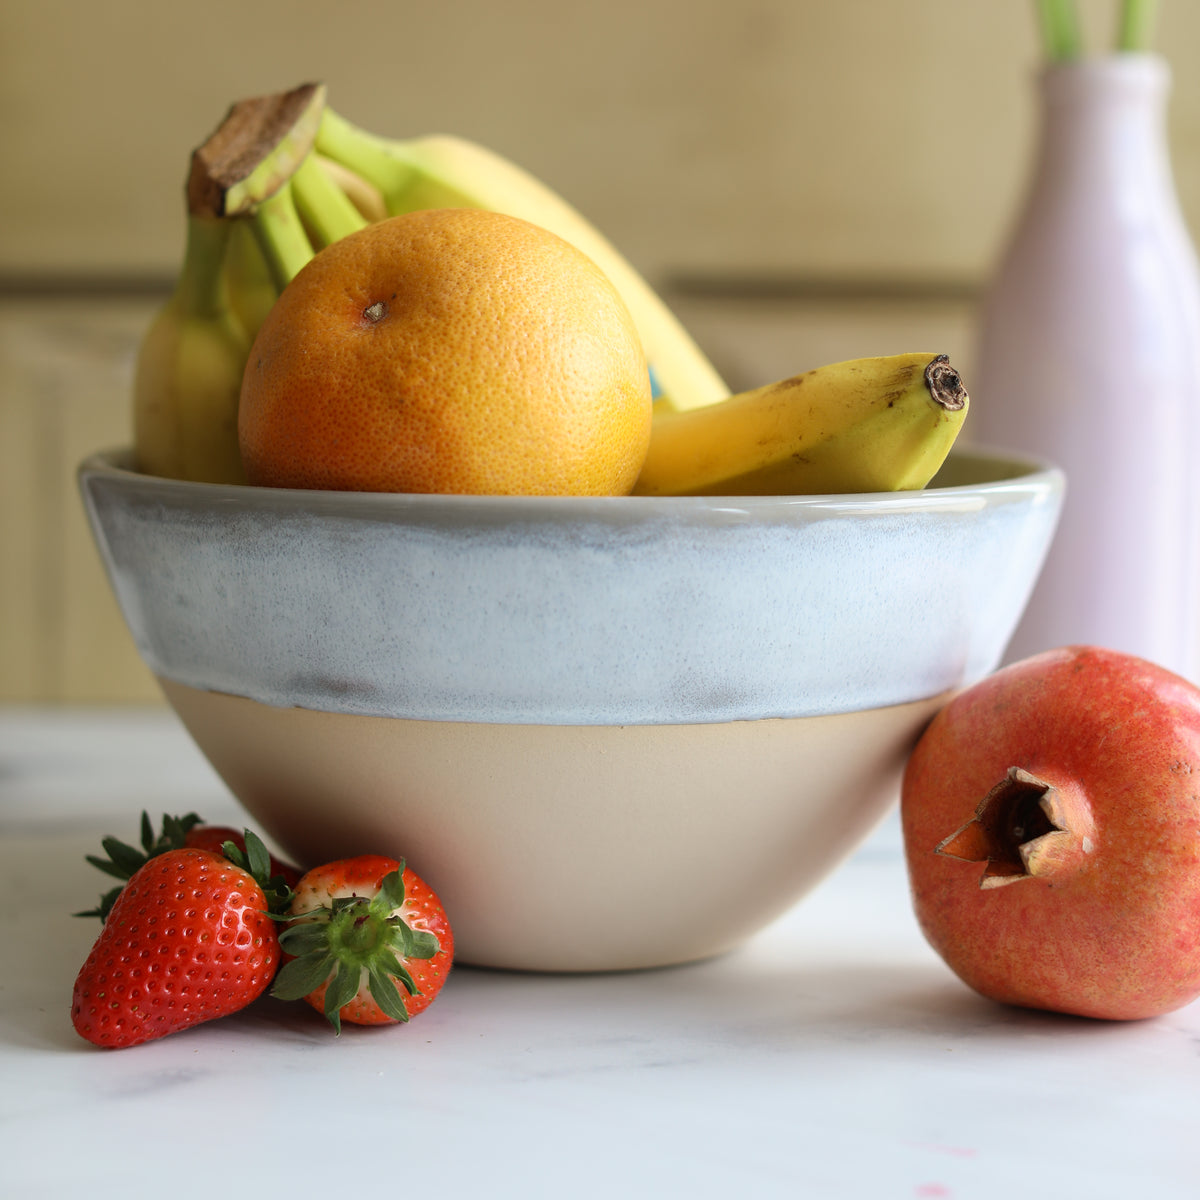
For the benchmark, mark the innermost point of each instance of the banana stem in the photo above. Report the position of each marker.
(371, 157)
(200, 287)
(1060, 29)
(327, 212)
(281, 235)
(255, 149)
(1136, 28)
(363, 194)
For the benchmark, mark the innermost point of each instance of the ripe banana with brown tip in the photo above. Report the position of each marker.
(867, 425)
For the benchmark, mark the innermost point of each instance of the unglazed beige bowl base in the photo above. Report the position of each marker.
(570, 847)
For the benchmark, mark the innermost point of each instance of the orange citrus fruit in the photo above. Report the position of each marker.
(450, 350)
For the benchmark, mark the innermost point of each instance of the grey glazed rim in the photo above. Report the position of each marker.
(990, 471)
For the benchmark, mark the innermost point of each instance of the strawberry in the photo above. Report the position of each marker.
(370, 943)
(177, 832)
(188, 938)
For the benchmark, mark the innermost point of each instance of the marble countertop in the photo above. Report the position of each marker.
(833, 1056)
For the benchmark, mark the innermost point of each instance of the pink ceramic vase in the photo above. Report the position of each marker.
(1089, 355)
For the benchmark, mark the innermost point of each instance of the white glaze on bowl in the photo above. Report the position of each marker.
(610, 611)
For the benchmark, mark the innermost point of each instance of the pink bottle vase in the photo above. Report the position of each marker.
(1089, 355)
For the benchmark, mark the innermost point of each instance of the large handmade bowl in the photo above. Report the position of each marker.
(611, 733)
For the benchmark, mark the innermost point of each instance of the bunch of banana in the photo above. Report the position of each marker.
(284, 176)
(868, 425)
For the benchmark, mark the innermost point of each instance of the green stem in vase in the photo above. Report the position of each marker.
(1136, 28)
(1060, 29)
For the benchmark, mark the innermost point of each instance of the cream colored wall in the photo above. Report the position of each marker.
(805, 180)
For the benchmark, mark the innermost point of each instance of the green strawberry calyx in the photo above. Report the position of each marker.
(352, 938)
(124, 860)
(256, 862)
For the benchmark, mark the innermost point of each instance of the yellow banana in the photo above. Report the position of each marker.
(245, 240)
(189, 370)
(440, 171)
(868, 425)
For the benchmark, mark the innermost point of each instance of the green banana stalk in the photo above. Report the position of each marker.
(449, 172)
(867, 425)
(365, 197)
(249, 282)
(325, 211)
(281, 236)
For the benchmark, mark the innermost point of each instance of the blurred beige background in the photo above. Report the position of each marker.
(805, 181)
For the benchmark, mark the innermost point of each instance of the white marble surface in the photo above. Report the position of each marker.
(834, 1056)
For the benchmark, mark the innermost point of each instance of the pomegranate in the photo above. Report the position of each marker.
(1051, 819)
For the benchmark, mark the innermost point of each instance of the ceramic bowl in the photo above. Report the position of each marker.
(611, 733)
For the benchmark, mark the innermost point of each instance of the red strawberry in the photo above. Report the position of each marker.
(187, 939)
(371, 944)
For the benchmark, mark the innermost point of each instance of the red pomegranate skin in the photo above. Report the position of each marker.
(1105, 920)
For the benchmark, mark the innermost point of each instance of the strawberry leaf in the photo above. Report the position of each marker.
(107, 900)
(303, 975)
(391, 892)
(418, 943)
(304, 938)
(258, 855)
(122, 861)
(383, 991)
(255, 860)
(390, 967)
(341, 990)
(108, 866)
(174, 832)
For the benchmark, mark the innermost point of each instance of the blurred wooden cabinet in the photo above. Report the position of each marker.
(66, 364)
